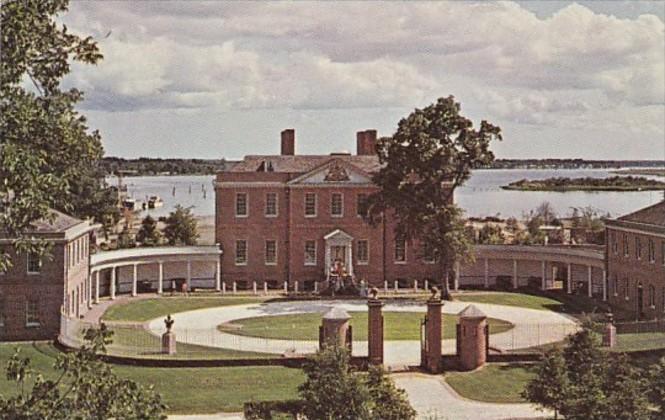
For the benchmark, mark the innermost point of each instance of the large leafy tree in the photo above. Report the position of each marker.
(584, 382)
(86, 388)
(431, 153)
(48, 156)
(181, 227)
(333, 390)
(149, 234)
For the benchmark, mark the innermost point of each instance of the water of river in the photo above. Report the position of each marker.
(480, 196)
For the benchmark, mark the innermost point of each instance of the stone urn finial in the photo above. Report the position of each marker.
(169, 322)
(373, 293)
(435, 292)
(610, 318)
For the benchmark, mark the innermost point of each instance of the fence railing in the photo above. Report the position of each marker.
(530, 338)
(640, 327)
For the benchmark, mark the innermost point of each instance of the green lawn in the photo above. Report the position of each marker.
(637, 342)
(511, 299)
(494, 383)
(147, 309)
(398, 326)
(140, 343)
(184, 390)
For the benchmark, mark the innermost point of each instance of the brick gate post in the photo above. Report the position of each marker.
(472, 336)
(433, 331)
(375, 329)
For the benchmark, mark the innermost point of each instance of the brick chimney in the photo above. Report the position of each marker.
(366, 142)
(289, 142)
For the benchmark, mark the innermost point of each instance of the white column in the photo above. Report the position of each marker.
(604, 286)
(218, 276)
(487, 273)
(589, 274)
(112, 285)
(265, 287)
(515, 283)
(426, 285)
(286, 287)
(160, 281)
(224, 288)
(96, 286)
(326, 262)
(349, 258)
(189, 275)
(415, 286)
(569, 286)
(295, 286)
(396, 285)
(543, 273)
(316, 286)
(134, 280)
(385, 286)
(254, 287)
(235, 287)
(90, 291)
(457, 276)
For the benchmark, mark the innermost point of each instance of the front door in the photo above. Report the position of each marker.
(338, 252)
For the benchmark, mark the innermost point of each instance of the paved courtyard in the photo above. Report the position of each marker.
(532, 327)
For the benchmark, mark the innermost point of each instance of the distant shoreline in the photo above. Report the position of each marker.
(644, 171)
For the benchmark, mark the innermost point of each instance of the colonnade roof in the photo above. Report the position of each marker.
(153, 253)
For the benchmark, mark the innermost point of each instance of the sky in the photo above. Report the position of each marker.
(222, 79)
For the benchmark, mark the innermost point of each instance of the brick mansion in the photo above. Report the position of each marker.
(298, 219)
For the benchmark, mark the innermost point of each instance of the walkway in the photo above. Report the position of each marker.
(432, 397)
(532, 328)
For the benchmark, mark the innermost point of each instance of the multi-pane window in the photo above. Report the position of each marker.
(241, 205)
(652, 251)
(336, 204)
(615, 245)
(361, 203)
(32, 313)
(271, 204)
(34, 263)
(400, 250)
(310, 204)
(428, 253)
(271, 252)
(638, 248)
(625, 288)
(310, 252)
(241, 252)
(626, 252)
(652, 296)
(615, 285)
(362, 252)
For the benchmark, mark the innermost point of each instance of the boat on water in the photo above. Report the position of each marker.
(133, 204)
(154, 202)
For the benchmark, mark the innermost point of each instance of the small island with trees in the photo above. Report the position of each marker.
(614, 183)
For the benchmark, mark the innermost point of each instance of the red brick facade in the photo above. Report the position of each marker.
(636, 263)
(291, 178)
(32, 291)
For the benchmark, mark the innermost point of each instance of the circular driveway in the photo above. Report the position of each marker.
(532, 327)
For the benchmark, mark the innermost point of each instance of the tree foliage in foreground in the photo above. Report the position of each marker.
(86, 388)
(585, 382)
(427, 158)
(181, 227)
(48, 157)
(333, 390)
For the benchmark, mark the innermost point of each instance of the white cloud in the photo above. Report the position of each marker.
(566, 69)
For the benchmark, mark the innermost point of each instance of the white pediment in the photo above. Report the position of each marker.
(338, 235)
(334, 171)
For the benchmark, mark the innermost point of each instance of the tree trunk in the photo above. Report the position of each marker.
(445, 287)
